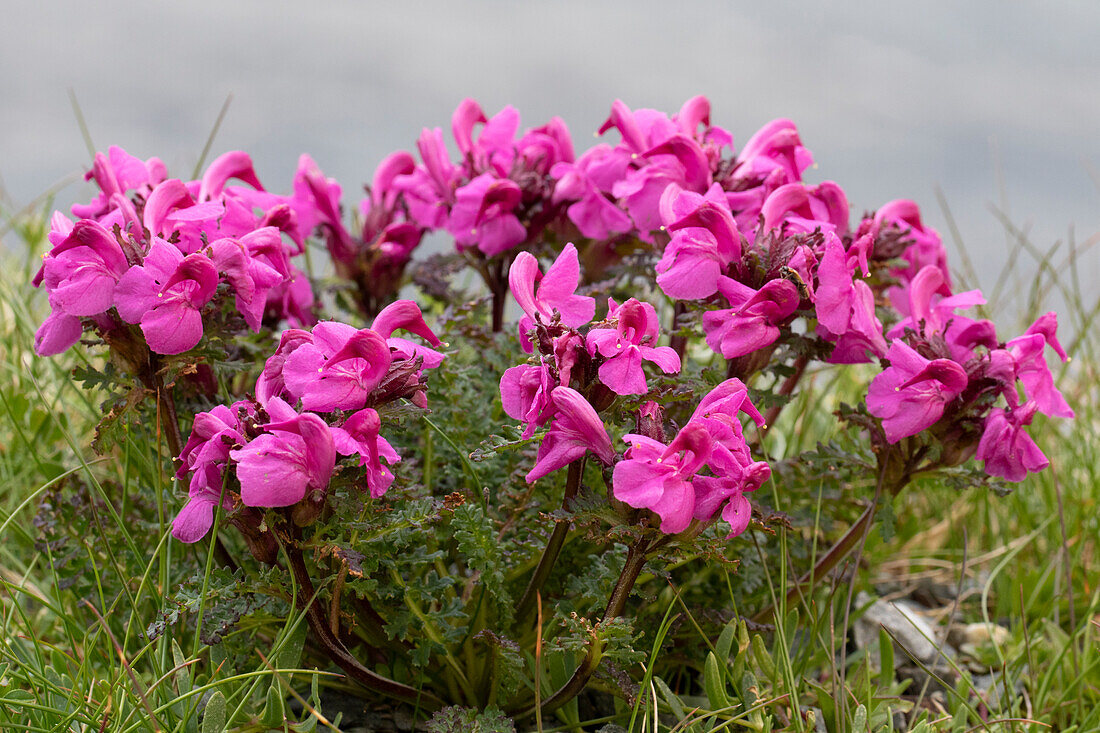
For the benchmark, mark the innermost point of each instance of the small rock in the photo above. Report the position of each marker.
(905, 622)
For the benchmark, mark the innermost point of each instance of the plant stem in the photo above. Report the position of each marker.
(554, 545)
(786, 388)
(678, 343)
(338, 653)
(636, 556)
(499, 286)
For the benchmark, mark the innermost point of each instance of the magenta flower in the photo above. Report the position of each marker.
(295, 454)
(911, 394)
(379, 208)
(429, 189)
(555, 291)
(1006, 448)
(484, 215)
(205, 457)
(235, 164)
(625, 346)
(316, 201)
(1028, 353)
(736, 474)
(358, 435)
(525, 394)
(251, 277)
(544, 147)
(774, 152)
(57, 333)
(753, 320)
(494, 149)
(800, 208)
(406, 315)
(588, 184)
(338, 368)
(576, 429)
(926, 248)
(165, 294)
(845, 307)
(659, 478)
(270, 383)
(719, 412)
(705, 242)
(117, 173)
(81, 272)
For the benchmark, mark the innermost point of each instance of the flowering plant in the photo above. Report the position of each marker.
(425, 528)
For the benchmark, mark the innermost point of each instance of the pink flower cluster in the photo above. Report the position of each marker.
(152, 251)
(315, 399)
(608, 359)
(947, 370)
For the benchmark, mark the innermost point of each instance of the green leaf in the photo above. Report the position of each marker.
(713, 684)
(670, 698)
(886, 655)
(213, 718)
(763, 659)
(725, 641)
(273, 714)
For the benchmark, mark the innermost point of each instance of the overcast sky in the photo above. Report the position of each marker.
(893, 102)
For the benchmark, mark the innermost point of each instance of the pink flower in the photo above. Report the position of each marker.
(270, 383)
(205, 457)
(316, 201)
(588, 184)
(911, 394)
(338, 368)
(484, 215)
(494, 149)
(379, 208)
(774, 149)
(165, 294)
(845, 307)
(753, 320)
(926, 248)
(1028, 354)
(658, 477)
(295, 454)
(799, 208)
(429, 189)
(555, 291)
(705, 242)
(117, 173)
(576, 430)
(736, 474)
(251, 277)
(82, 270)
(544, 147)
(358, 435)
(525, 395)
(625, 346)
(1006, 448)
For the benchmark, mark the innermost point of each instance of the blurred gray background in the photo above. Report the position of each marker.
(993, 105)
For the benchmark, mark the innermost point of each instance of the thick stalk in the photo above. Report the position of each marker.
(553, 546)
(678, 343)
(786, 388)
(499, 288)
(337, 652)
(635, 561)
